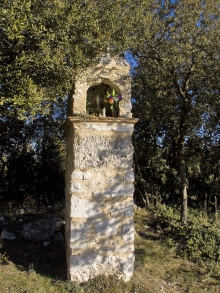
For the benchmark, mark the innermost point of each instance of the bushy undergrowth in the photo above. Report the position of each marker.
(198, 241)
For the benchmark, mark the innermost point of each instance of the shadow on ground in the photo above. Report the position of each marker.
(32, 255)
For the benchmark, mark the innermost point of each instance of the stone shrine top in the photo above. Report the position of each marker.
(109, 77)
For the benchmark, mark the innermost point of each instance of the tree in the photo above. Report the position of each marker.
(177, 87)
(45, 43)
(32, 158)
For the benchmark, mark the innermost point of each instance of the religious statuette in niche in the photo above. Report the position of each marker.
(104, 112)
(98, 101)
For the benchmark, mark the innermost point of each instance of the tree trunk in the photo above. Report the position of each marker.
(139, 198)
(147, 204)
(145, 196)
(206, 206)
(216, 208)
(3, 168)
(183, 192)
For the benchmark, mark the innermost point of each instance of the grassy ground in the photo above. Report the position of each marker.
(29, 267)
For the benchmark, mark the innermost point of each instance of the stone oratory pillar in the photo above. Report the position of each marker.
(99, 174)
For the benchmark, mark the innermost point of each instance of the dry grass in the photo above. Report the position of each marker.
(159, 269)
(31, 268)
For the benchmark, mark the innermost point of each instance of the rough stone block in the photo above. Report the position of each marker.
(128, 230)
(108, 227)
(82, 208)
(115, 191)
(79, 236)
(127, 265)
(80, 245)
(124, 248)
(129, 176)
(41, 229)
(87, 175)
(129, 212)
(91, 264)
(125, 209)
(77, 175)
(77, 187)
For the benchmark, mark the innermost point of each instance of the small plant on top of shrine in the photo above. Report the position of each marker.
(111, 103)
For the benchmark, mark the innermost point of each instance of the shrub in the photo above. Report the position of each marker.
(197, 241)
(202, 243)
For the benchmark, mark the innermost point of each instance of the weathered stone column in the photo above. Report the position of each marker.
(100, 186)
(99, 199)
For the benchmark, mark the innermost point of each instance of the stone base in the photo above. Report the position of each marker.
(94, 263)
(99, 199)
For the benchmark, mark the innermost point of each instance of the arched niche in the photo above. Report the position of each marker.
(96, 99)
(109, 74)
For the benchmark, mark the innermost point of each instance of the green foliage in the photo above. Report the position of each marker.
(3, 258)
(202, 243)
(45, 44)
(199, 240)
(32, 158)
(176, 97)
(166, 216)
